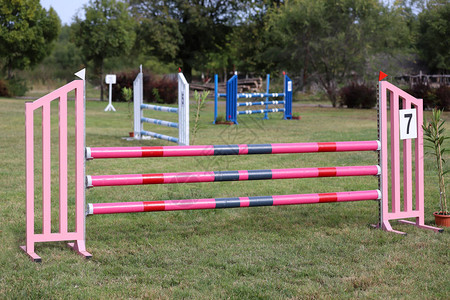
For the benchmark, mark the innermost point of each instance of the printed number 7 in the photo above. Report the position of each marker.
(409, 122)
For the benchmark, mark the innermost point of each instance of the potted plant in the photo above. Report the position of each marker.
(127, 94)
(434, 134)
(296, 116)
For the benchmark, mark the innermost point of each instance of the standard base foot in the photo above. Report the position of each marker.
(33, 256)
(83, 253)
(388, 229)
(110, 107)
(423, 226)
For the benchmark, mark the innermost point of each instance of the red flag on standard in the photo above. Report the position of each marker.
(381, 76)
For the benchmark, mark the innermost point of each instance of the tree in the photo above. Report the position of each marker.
(27, 32)
(433, 41)
(184, 31)
(64, 59)
(107, 31)
(330, 40)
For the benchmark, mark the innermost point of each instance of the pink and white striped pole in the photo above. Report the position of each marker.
(213, 203)
(243, 149)
(190, 177)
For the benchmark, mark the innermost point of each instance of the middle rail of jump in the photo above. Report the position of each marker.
(390, 207)
(182, 111)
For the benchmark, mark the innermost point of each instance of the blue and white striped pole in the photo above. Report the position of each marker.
(216, 85)
(266, 116)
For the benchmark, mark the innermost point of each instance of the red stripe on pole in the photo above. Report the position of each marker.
(152, 178)
(326, 147)
(327, 172)
(154, 206)
(152, 151)
(328, 197)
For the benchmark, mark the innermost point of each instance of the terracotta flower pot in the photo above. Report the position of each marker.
(131, 133)
(442, 220)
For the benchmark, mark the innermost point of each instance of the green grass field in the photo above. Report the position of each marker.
(325, 251)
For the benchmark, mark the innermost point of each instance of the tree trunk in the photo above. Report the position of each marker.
(9, 69)
(332, 96)
(98, 70)
(102, 84)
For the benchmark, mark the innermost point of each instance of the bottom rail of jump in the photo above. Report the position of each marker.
(215, 203)
(390, 202)
(182, 111)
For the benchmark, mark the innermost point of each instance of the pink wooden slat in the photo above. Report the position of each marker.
(420, 197)
(407, 167)
(384, 155)
(46, 168)
(63, 163)
(29, 156)
(79, 159)
(395, 152)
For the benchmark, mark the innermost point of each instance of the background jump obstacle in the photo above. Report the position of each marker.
(182, 111)
(390, 208)
(110, 79)
(232, 95)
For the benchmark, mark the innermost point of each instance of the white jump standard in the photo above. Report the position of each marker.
(183, 113)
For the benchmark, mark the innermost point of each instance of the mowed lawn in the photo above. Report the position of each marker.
(324, 251)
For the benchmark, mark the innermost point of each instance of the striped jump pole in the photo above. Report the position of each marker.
(215, 203)
(260, 103)
(242, 149)
(266, 115)
(182, 111)
(260, 95)
(261, 111)
(217, 176)
(159, 108)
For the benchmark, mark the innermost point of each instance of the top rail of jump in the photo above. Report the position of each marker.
(390, 201)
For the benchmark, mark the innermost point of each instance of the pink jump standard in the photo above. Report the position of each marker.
(63, 235)
(389, 210)
(397, 212)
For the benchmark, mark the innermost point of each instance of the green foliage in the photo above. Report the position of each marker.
(14, 86)
(127, 94)
(17, 86)
(433, 41)
(434, 131)
(329, 41)
(184, 31)
(156, 96)
(65, 58)
(27, 32)
(107, 31)
(200, 100)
